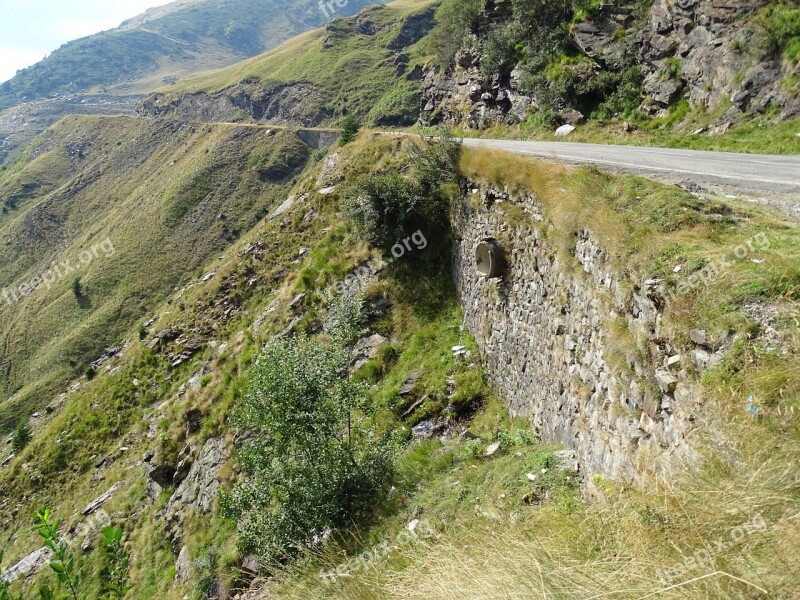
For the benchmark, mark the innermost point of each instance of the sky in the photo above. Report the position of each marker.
(31, 29)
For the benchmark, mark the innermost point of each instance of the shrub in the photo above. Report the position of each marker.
(76, 288)
(206, 569)
(21, 437)
(387, 208)
(310, 467)
(350, 128)
(502, 49)
(455, 19)
(437, 163)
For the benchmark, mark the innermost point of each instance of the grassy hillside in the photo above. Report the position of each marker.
(367, 66)
(164, 198)
(364, 65)
(165, 44)
(160, 236)
(494, 532)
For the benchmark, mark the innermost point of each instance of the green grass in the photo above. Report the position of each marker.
(350, 64)
(169, 199)
(497, 532)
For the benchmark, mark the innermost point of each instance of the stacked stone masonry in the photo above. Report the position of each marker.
(543, 331)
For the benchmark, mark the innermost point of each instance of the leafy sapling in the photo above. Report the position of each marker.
(114, 576)
(63, 563)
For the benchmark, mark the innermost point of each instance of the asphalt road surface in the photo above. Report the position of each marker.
(746, 174)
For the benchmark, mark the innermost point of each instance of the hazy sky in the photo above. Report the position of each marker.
(31, 29)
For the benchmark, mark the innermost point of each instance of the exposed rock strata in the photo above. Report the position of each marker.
(701, 50)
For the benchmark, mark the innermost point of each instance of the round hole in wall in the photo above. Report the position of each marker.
(489, 259)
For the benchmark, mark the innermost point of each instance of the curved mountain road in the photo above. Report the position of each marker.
(741, 174)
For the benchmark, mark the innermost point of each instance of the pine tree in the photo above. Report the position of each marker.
(21, 437)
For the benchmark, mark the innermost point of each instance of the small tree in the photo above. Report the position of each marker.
(309, 469)
(350, 128)
(76, 288)
(21, 437)
(114, 576)
(63, 563)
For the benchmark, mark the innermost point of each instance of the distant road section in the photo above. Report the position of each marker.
(762, 175)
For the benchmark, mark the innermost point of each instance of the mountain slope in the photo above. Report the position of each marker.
(369, 65)
(165, 44)
(107, 73)
(647, 339)
(626, 72)
(162, 195)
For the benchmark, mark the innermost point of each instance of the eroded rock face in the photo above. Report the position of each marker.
(709, 42)
(544, 331)
(198, 490)
(284, 104)
(694, 49)
(467, 97)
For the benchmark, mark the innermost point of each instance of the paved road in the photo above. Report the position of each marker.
(748, 173)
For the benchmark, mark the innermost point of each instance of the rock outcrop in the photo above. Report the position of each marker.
(702, 50)
(198, 490)
(284, 104)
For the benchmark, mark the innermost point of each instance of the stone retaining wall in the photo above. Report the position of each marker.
(544, 333)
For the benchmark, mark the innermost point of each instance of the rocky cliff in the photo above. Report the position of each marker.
(716, 54)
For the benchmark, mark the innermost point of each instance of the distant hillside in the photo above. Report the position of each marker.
(370, 65)
(623, 72)
(164, 198)
(165, 44)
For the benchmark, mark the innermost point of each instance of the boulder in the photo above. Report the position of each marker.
(666, 381)
(183, 566)
(564, 131)
(410, 384)
(423, 430)
(365, 350)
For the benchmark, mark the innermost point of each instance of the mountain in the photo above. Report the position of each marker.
(246, 355)
(106, 73)
(630, 72)
(164, 44)
(370, 66)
